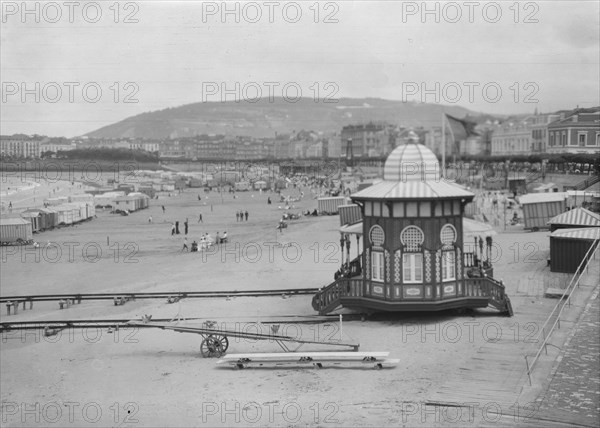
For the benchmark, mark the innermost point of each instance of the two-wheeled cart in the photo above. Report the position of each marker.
(215, 341)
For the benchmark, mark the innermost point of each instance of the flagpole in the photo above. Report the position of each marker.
(443, 143)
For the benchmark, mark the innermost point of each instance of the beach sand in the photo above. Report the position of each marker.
(157, 378)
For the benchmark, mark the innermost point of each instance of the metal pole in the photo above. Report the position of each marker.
(341, 328)
(545, 345)
(443, 144)
(528, 372)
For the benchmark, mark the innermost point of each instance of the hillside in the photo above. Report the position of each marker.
(265, 118)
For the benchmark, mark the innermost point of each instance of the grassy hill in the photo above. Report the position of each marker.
(265, 118)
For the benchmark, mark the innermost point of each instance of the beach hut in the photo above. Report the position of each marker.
(568, 247)
(330, 205)
(106, 199)
(242, 186)
(132, 202)
(575, 218)
(168, 187)
(517, 185)
(67, 214)
(260, 185)
(56, 201)
(82, 197)
(580, 198)
(148, 189)
(47, 217)
(123, 203)
(15, 230)
(539, 208)
(35, 219)
(141, 200)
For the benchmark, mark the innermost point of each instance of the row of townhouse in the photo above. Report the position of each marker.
(22, 146)
(576, 131)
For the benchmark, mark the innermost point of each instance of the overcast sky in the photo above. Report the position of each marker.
(375, 49)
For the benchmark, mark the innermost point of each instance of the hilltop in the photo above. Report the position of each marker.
(266, 118)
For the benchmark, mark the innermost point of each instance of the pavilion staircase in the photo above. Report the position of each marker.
(532, 178)
(582, 185)
(330, 298)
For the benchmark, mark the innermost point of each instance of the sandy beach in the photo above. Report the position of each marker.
(155, 378)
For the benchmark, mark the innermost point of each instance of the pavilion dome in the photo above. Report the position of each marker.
(411, 162)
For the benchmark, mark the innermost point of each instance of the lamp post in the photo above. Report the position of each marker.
(348, 248)
(342, 241)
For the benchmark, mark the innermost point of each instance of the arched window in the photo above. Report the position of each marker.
(412, 237)
(448, 235)
(377, 236)
(412, 263)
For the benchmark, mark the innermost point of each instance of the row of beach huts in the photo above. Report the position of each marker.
(20, 229)
(65, 211)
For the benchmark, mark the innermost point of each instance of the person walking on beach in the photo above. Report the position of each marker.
(172, 229)
(185, 245)
(150, 219)
(200, 218)
(163, 208)
(246, 214)
(237, 216)
(185, 225)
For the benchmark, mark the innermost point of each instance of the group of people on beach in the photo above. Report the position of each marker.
(241, 214)
(205, 242)
(175, 227)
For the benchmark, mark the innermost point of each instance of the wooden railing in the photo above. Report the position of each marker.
(582, 185)
(329, 298)
(469, 260)
(491, 288)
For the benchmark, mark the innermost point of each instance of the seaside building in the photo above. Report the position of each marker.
(21, 146)
(371, 139)
(412, 256)
(577, 132)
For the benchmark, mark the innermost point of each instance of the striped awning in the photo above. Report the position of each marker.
(349, 214)
(540, 198)
(577, 217)
(475, 229)
(432, 189)
(588, 233)
(353, 229)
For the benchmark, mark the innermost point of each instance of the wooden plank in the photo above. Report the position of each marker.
(554, 293)
(380, 364)
(322, 356)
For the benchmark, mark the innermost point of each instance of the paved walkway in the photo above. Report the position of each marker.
(573, 395)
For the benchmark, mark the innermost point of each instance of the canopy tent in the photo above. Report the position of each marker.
(475, 229)
(352, 229)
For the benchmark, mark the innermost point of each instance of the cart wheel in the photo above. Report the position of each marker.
(211, 348)
(221, 339)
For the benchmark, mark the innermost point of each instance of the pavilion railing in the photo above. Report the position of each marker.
(553, 320)
(491, 288)
(329, 297)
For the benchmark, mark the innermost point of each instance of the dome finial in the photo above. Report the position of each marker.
(412, 137)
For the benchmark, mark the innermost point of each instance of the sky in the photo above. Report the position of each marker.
(68, 69)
